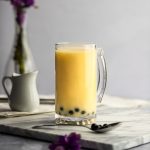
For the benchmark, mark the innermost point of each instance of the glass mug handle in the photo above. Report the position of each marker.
(101, 62)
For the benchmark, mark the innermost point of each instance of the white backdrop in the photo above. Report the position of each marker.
(121, 27)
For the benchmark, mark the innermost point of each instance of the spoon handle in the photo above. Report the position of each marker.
(53, 124)
(86, 126)
(114, 124)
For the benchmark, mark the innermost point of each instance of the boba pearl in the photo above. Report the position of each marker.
(77, 109)
(71, 112)
(61, 108)
(94, 126)
(83, 112)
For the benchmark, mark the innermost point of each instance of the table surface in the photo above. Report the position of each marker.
(9, 142)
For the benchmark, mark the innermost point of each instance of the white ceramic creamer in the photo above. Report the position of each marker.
(23, 95)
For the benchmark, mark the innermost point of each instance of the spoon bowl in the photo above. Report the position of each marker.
(94, 127)
(105, 127)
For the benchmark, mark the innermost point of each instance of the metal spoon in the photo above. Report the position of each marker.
(94, 127)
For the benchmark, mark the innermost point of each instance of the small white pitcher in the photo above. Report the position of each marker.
(23, 96)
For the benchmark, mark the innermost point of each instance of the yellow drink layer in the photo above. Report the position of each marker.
(76, 82)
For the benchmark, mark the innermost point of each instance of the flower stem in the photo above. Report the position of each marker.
(19, 55)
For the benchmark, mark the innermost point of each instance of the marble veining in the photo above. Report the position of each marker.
(134, 130)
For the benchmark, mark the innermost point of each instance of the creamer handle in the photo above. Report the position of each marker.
(4, 85)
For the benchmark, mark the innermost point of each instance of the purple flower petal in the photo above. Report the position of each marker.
(16, 3)
(22, 3)
(70, 142)
(74, 141)
(74, 138)
(28, 3)
(63, 139)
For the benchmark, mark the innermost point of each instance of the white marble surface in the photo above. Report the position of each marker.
(8, 142)
(134, 130)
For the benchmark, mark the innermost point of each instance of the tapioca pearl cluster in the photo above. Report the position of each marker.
(94, 126)
(74, 111)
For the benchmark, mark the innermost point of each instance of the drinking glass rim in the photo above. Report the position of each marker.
(75, 45)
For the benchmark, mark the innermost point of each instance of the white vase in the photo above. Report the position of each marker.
(20, 60)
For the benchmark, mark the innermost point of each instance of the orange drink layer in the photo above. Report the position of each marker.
(76, 82)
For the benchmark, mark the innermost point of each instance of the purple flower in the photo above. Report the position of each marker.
(20, 6)
(70, 142)
(22, 3)
(28, 3)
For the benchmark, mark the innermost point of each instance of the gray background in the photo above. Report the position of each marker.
(120, 27)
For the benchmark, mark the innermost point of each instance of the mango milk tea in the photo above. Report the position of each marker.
(76, 81)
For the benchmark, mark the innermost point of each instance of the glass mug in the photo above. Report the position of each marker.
(78, 67)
